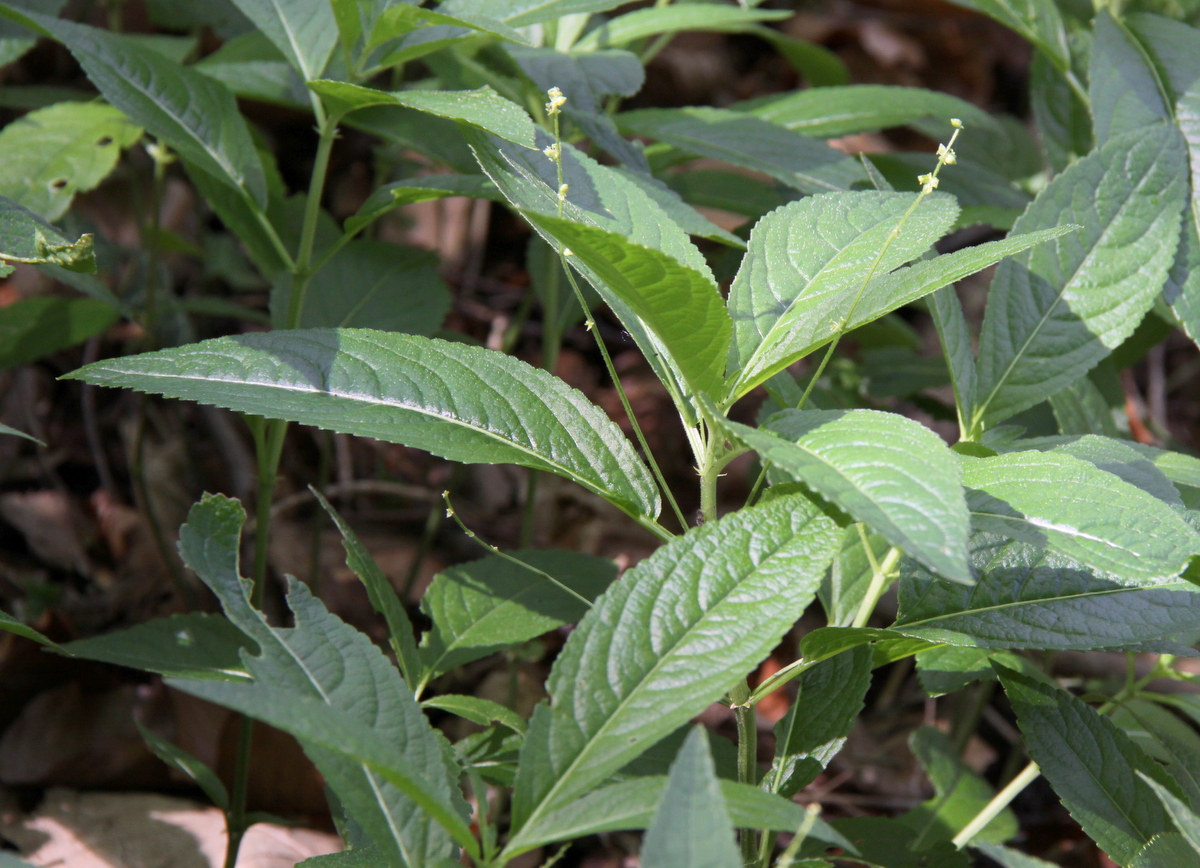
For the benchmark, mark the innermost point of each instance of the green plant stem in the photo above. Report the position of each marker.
(747, 757)
(527, 512)
(161, 158)
(312, 212)
(880, 573)
(616, 380)
(998, 803)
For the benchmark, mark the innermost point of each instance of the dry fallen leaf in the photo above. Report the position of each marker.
(141, 830)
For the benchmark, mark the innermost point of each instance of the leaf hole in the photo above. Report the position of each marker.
(58, 183)
(104, 141)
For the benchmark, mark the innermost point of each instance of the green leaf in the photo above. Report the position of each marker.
(193, 113)
(179, 759)
(959, 794)
(1027, 597)
(843, 590)
(1185, 818)
(1091, 764)
(359, 857)
(1056, 311)
(1063, 120)
(743, 140)
(1182, 290)
(33, 328)
(56, 152)
(370, 284)
(828, 112)
(631, 805)
(887, 843)
(5, 429)
(1125, 93)
(1120, 458)
(585, 79)
(382, 595)
(459, 402)
(304, 30)
(1168, 850)
(26, 237)
(194, 645)
(487, 605)
(691, 828)
(955, 338)
(686, 624)
(801, 277)
(329, 685)
(829, 697)
(13, 625)
(402, 19)
(685, 216)
(1010, 858)
(632, 26)
(520, 13)
(597, 196)
(423, 189)
(1081, 408)
(890, 472)
(253, 68)
(1173, 47)
(482, 108)
(476, 710)
(1039, 21)
(1088, 514)
(818, 65)
(681, 306)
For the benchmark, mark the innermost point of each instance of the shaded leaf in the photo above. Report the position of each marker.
(632, 26)
(12, 625)
(1091, 764)
(477, 710)
(370, 284)
(33, 328)
(484, 606)
(26, 237)
(304, 30)
(178, 758)
(691, 827)
(1124, 90)
(743, 140)
(1027, 597)
(194, 645)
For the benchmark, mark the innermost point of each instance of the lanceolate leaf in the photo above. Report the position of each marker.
(67, 148)
(630, 805)
(674, 634)
(1124, 89)
(742, 140)
(322, 676)
(382, 595)
(826, 112)
(1027, 597)
(486, 605)
(808, 263)
(829, 698)
(1072, 506)
(12, 625)
(483, 108)
(955, 338)
(193, 113)
(632, 26)
(691, 828)
(890, 472)
(460, 402)
(681, 306)
(597, 196)
(304, 30)
(1091, 764)
(1054, 312)
(194, 645)
(1182, 291)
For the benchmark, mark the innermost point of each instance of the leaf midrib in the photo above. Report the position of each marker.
(1013, 604)
(1086, 261)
